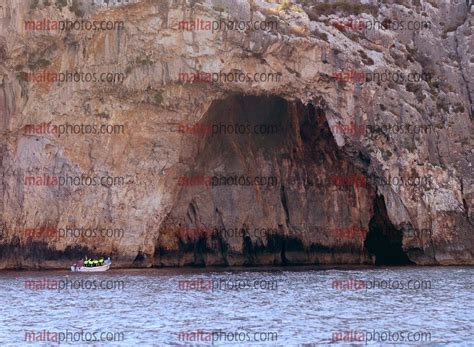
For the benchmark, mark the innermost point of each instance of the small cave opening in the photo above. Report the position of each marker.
(383, 239)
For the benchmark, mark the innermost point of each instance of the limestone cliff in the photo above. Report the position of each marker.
(162, 73)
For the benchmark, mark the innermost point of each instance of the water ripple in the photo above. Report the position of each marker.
(306, 308)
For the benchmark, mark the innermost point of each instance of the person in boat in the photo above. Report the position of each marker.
(95, 262)
(101, 261)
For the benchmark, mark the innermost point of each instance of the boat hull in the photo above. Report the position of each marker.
(101, 268)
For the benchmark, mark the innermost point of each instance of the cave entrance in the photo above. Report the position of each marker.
(308, 205)
(383, 240)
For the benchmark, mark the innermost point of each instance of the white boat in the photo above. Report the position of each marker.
(100, 268)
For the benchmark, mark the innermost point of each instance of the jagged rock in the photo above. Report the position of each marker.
(302, 219)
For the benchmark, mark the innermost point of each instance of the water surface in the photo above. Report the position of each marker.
(266, 306)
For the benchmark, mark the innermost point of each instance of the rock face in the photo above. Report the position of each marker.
(124, 142)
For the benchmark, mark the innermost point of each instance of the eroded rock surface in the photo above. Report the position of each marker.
(306, 216)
